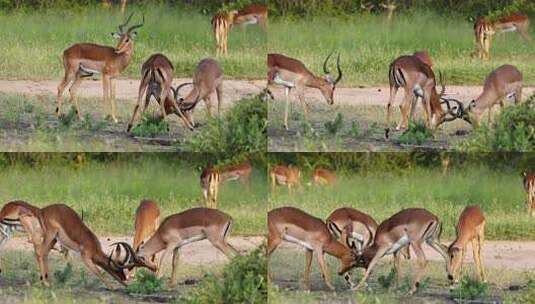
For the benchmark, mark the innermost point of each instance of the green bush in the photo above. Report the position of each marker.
(416, 134)
(151, 126)
(145, 283)
(469, 289)
(513, 129)
(334, 126)
(62, 276)
(244, 280)
(242, 129)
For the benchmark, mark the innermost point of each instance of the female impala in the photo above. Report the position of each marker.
(179, 229)
(529, 187)
(86, 59)
(484, 30)
(211, 178)
(505, 82)
(295, 226)
(285, 175)
(63, 224)
(292, 73)
(408, 227)
(418, 80)
(221, 25)
(156, 80)
(471, 227)
(252, 14)
(323, 177)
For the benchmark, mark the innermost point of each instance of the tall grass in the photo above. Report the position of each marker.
(109, 193)
(368, 45)
(383, 193)
(34, 41)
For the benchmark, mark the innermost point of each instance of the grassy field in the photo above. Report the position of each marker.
(499, 193)
(37, 40)
(109, 193)
(368, 45)
(286, 268)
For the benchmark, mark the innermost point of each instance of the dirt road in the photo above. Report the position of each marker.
(196, 253)
(514, 255)
(126, 88)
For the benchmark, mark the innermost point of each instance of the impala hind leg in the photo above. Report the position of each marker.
(480, 240)
(404, 109)
(397, 267)
(308, 262)
(274, 240)
(393, 93)
(73, 90)
(176, 257)
(142, 91)
(41, 252)
(287, 108)
(323, 269)
(70, 76)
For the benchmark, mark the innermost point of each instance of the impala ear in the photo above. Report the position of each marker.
(133, 34)
(525, 173)
(115, 35)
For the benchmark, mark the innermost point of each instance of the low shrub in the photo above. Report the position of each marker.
(151, 126)
(145, 283)
(469, 289)
(416, 134)
(334, 126)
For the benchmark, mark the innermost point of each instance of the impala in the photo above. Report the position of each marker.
(295, 226)
(207, 80)
(484, 30)
(285, 175)
(221, 26)
(529, 187)
(352, 228)
(179, 229)
(390, 7)
(505, 82)
(146, 224)
(63, 224)
(367, 7)
(323, 177)
(292, 73)
(408, 227)
(156, 80)
(86, 59)
(252, 14)
(23, 217)
(470, 228)
(211, 178)
(418, 80)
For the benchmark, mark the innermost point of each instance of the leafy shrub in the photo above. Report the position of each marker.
(244, 280)
(62, 276)
(386, 280)
(67, 120)
(469, 289)
(242, 129)
(151, 126)
(513, 129)
(416, 134)
(145, 283)
(334, 126)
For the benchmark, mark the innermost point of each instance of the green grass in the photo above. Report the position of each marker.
(109, 193)
(382, 193)
(368, 45)
(37, 40)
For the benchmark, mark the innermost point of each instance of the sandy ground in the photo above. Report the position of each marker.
(513, 255)
(380, 95)
(126, 88)
(197, 253)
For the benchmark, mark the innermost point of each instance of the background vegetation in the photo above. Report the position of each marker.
(381, 184)
(107, 188)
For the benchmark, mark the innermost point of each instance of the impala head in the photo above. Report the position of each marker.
(126, 258)
(364, 258)
(347, 263)
(454, 108)
(126, 37)
(330, 83)
(455, 257)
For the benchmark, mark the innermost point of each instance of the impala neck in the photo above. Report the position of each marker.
(315, 82)
(336, 249)
(124, 58)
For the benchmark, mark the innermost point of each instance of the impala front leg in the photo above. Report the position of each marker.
(286, 94)
(112, 99)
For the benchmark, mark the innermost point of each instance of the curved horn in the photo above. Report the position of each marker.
(177, 90)
(325, 70)
(339, 70)
(130, 254)
(121, 26)
(133, 27)
(443, 86)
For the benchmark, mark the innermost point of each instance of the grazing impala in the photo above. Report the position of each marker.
(295, 226)
(292, 73)
(323, 177)
(408, 227)
(86, 59)
(211, 178)
(470, 228)
(285, 175)
(156, 80)
(418, 80)
(252, 14)
(484, 30)
(505, 82)
(63, 224)
(23, 217)
(529, 187)
(207, 80)
(352, 228)
(179, 229)
(146, 224)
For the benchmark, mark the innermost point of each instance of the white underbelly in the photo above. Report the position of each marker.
(191, 239)
(297, 241)
(402, 242)
(278, 80)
